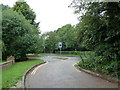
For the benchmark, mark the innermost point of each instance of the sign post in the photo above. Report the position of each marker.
(60, 46)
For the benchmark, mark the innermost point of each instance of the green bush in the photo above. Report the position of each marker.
(18, 35)
(101, 65)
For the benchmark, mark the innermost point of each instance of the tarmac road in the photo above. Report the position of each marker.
(60, 72)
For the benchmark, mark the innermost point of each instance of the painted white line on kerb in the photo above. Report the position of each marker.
(76, 68)
(35, 70)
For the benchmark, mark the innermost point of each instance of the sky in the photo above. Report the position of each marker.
(52, 14)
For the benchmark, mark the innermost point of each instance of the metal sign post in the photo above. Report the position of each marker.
(60, 51)
(60, 46)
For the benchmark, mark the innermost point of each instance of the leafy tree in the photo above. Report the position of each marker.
(99, 29)
(24, 9)
(4, 7)
(65, 34)
(50, 42)
(19, 36)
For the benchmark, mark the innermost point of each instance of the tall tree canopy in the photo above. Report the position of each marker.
(23, 8)
(18, 35)
(4, 7)
(65, 34)
(99, 29)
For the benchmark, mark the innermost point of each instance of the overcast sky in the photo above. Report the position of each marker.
(51, 14)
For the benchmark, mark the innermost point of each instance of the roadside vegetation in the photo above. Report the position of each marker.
(20, 36)
(3, 61)
(20, 32)
(98, 31)
(89, 61)
(13, 74)
(95, 39)
(99, 65)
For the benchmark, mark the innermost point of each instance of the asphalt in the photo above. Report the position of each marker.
(59, 72)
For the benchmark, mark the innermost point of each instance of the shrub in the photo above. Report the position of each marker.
(19, 36)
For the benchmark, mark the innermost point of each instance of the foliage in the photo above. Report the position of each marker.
(24, 9)
(50, 42)
(4, 7)
(3, 61)
(19, 36)
(99, 30)
(65, 34)
(68, 37)
(100, 65)
(11, 75)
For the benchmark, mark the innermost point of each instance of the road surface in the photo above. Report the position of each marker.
(59, 72)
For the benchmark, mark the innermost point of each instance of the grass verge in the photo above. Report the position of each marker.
(13, 74)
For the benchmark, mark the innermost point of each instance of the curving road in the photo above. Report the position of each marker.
(59, 72)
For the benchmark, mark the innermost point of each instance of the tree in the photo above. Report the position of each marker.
(65, 34)
(18, 35)
(4, 7)
(50, 41)
(99, 24)
(2, 46)
(24, 9)
(99, 30)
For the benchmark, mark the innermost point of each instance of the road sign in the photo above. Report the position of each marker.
(60, 45)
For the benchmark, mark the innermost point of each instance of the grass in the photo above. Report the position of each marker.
(13, 74)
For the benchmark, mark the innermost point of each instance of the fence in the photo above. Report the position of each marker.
(7, 64)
